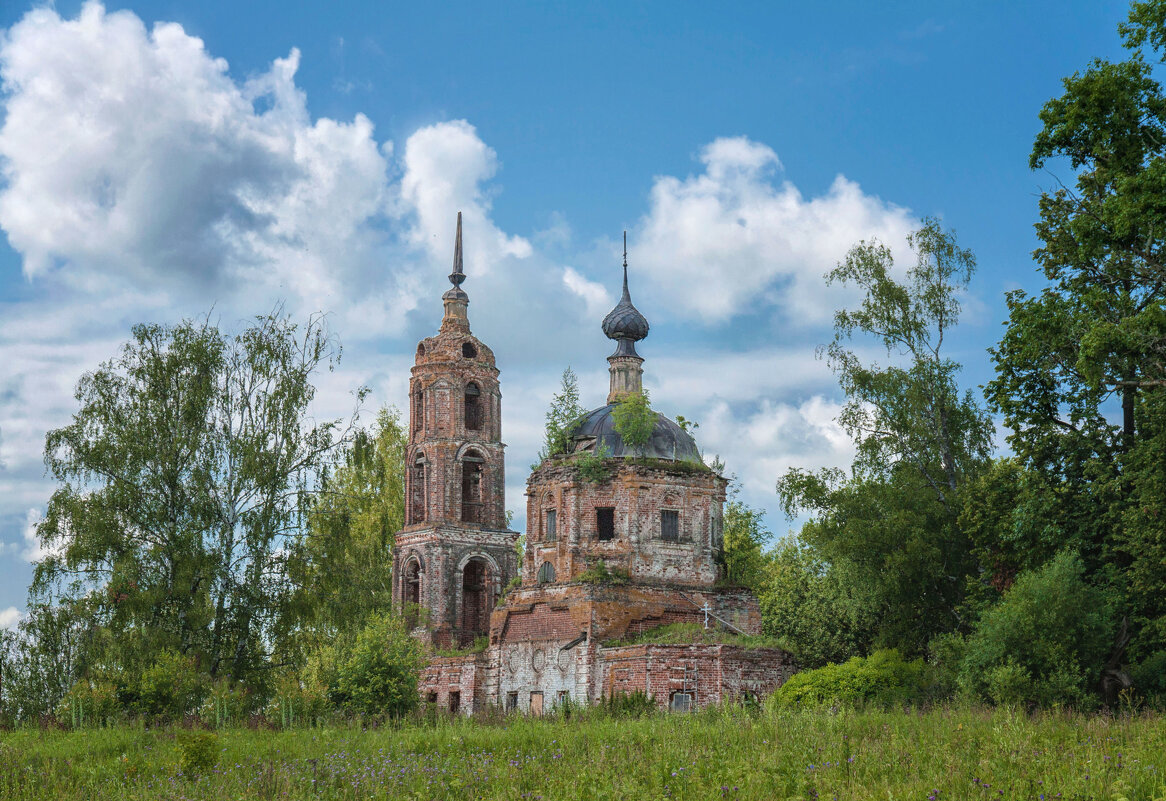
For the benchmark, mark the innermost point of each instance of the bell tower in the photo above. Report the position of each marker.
(455, 553)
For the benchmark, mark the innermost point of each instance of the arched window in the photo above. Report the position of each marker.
(473, 407)
(546, 573)
(417, 490)
(469, 351)
(412, 593)
(472, 487)
(419, 410)
(476, 601)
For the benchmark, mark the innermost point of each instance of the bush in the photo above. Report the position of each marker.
(89, 703)
(1149, 678)
(1044, 643)
(634, 420)
(884, 678)
(379, 673)
(198, 752)
(169, 689)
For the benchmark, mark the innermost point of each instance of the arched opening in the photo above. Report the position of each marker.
(473, 407)
(417, 490)
(469, 351)
(546, 573)
(412, 594)
(418, 410)
(472, 487)
(476, 601)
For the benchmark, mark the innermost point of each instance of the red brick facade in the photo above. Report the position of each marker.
(607, 556)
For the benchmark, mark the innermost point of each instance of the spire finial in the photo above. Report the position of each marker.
(626, 295)
(457, 276)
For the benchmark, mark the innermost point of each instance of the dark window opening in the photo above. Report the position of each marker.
(670, 525)
(476, 602)
(469, 351)
(419, 410)
(546, 573)
(472, 489)
(473, 407)
(680, 702)
(564, 697)
(511, 701)
(417, 491)
(431, 698)
(412, 594)
(605, 523)
(551, 532)
(455, 702)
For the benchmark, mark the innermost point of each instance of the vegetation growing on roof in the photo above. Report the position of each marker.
(697, 634)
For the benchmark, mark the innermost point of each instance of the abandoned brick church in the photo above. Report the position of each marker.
(610, 555)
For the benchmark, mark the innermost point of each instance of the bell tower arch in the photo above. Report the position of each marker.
(455, 552)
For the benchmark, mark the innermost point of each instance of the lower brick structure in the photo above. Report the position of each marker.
(702, 674)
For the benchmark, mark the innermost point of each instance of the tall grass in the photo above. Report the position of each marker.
(725, 753)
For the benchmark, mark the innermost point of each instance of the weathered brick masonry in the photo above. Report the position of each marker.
(609, 555)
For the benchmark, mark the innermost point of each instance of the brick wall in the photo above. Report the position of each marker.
(711, 674)
(637, 493)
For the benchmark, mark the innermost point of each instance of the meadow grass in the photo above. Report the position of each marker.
(726, 753)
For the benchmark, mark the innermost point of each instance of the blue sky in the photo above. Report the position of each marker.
(161, 158)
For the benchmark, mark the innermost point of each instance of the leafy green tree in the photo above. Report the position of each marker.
(378, 675)
(809, 605)
(891, 526)
(1081, 364)
(562, 417)
(341, 567)
(634, 420)
(182, 476)
(743, 560)
(1045, 642)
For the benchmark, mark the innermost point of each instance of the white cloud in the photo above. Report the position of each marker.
(594, 295)
(10, 617)
(732, 240)
(131, 155)
(446, 166)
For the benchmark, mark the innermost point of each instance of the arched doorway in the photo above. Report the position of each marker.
(476, 601)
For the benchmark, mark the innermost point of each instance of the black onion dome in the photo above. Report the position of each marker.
(596, 430)
(625, 320)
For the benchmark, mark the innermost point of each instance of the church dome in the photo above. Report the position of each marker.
(669, 441)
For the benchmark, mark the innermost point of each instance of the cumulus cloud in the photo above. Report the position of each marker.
(734, 240)
(446, 168)
(10, 617)
(132, 154)
(594, 295)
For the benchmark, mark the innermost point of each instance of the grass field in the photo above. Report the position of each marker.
(952, 754)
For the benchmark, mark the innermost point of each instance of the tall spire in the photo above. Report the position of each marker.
(456, 300)
(626, 326)
(457, 276)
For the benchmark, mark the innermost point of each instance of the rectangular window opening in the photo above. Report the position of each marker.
(605, 523)
(681, 702)
(552, 533)
(670, 525)
(564, 697)
(511, 701)
(455, 702)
